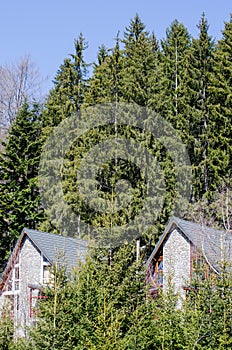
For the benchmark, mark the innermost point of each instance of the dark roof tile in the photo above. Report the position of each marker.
(54, 246)
(214, 244)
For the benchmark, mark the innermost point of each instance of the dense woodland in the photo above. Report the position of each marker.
(188, 82)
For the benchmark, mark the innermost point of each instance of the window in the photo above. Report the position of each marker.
(157, 273)
(17, 302)
(35, 296)
(199, 267)
(8, 285)
(16, 277)
(13, 280)
(46, 275)
(160, 271)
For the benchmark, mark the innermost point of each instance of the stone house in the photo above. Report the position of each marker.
(28, 271)
(187, 250)
(183, 249)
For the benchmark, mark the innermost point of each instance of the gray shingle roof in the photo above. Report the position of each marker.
(69, 250)
(54, 246)
(214, 244)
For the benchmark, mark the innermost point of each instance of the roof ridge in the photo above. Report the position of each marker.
(57, 235)
(177, 219)
(187, 227)
(50, 244)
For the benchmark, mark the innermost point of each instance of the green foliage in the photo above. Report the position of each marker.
(169, 99)
(126, 75)
(216, 213)
(20, 201)
(221, 89)
(93, 309)
(105, 84)
(70, 85)
(104, 305)
(64, 101)
(199, 129)
(139, 63)
(208, 313)
(179, 81)
(6, 330)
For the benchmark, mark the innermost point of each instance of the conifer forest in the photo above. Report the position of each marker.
(105, 303)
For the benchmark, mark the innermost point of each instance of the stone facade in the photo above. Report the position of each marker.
(27, 272)
(28, 264)
(176, 261)
(185, 250)
(31, 268)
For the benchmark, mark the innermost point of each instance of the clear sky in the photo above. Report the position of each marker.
(46, 29)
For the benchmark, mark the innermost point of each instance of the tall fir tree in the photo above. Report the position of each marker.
(199, 124)
(105, 84)
(65, 100)
(20, 201)
(221, 89)
(127, 75)
(169, 100)
(140, 61)
(70, 84)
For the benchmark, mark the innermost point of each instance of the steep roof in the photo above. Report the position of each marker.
(214, 244)
(52, 246)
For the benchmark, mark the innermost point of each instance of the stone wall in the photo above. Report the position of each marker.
(30, 273)
(176, 261)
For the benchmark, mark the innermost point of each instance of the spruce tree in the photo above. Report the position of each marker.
(207, 312)
(105, 83)
(199, 124)
(94, 309)
(140, 61)
(65, 100)
(20, 201)
(127, 75)
(221, 89)
(70, 84)
(170, 99)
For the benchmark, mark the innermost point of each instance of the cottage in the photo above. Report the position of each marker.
(27, 271)
(185, 251)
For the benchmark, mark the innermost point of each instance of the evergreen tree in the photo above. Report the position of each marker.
(95, 308)
(20, 201)
(6, 329)
(105, 84)
(126, 75)
(207, 312)
(70, 85)
(65, 100)
(221, 88)
(170, 99)
(199, 124)
(140, 61)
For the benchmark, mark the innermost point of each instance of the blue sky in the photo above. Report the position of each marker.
(46, 29)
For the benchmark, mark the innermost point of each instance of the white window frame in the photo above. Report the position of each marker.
(44, 264)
